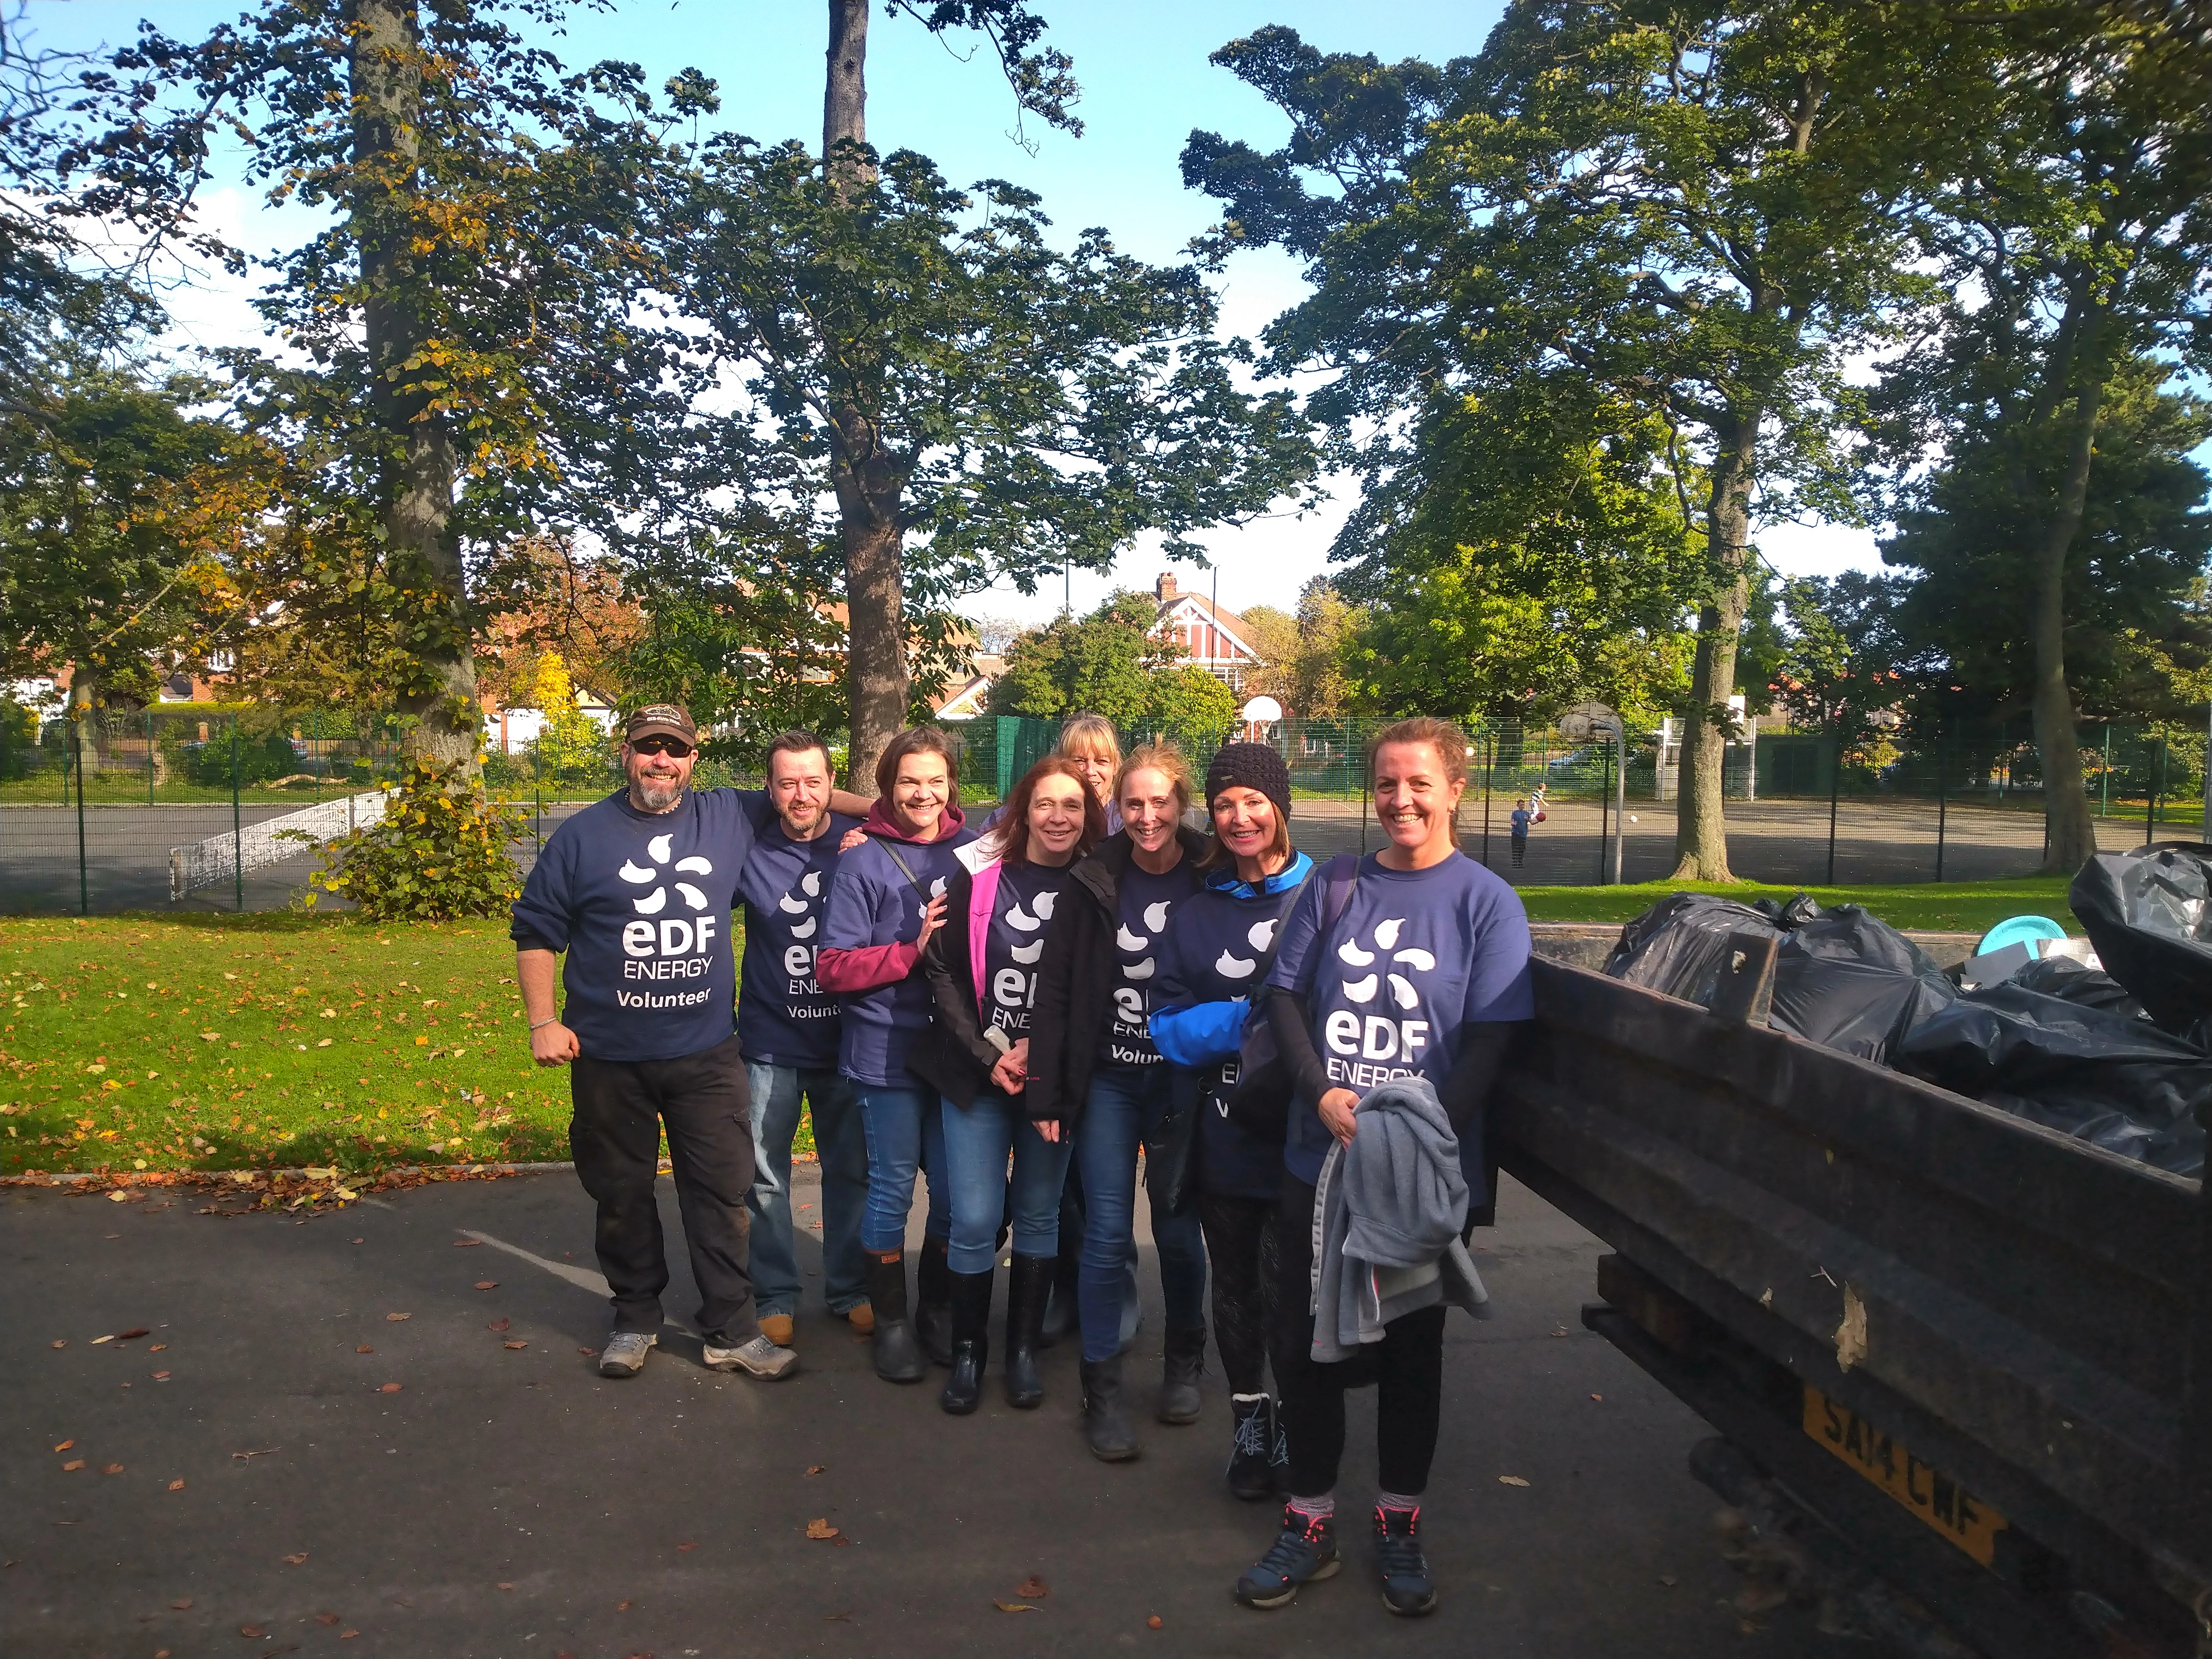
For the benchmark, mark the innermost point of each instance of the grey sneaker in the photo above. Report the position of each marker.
(624, 1354)
(760, 1358)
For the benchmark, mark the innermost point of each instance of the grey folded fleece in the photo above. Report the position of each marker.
(1388, 1214)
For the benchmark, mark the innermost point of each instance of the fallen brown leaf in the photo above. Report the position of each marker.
(622, 1607)
(1598, 1397)
(176, 1485)
(1153, 1623)
(514, 1344)
(67, 1444)
(393, 1319)
(181, 1603)
(1014, 1607)
(297, 1560)
(812, 1468)
(588, 1351)
(487, 1284)
(393, 1387)
(507, 1587)
(462, 1243)
(1033, 1585)
(500, 1324)
(61, 1344)
(347, 1635)
(364, 1348)
(160, 1376)
(157, 1347)
(820, 1527)
(687, 1547)
(251, 1630)
(135, 1332)
(326, 1619)
(1510, 1481)
(74, 1463)
(112, 1468)
(96, 1341)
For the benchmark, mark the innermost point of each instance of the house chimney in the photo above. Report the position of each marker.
(1165, 587)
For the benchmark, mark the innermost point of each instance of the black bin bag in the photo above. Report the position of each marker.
(2077, 981)
(2149, 913)
(1678, 945)
(1848, 981)
(1842, 978)
(2103, 1077)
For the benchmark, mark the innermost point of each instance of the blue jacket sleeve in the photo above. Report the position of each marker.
(1201, 1034)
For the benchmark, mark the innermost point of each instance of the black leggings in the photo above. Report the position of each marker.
(1241, 1248)
(1406, 1366)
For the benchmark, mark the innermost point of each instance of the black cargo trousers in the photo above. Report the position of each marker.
(620, 1107)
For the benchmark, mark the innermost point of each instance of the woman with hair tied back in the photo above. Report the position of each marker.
(1092, 1065)
(1405, 986)
(886, 900)
(982, 970)
(1218, 953)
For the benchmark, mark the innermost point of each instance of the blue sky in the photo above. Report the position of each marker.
(1146, 83)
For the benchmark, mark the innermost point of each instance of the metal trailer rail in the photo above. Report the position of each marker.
(1977, 1351)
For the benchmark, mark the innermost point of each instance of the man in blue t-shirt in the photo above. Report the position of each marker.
(637, 889)
(788, 1029)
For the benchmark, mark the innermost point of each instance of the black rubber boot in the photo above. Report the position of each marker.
(971, 1342)
(897, 1357)
(933, 1301)
(1250, 1472)
(1026, 1291)
(1180, 1371)
(1105, 1426)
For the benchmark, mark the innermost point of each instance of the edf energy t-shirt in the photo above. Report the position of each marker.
(784, 1016)
(1417, 957)
(1146, 902)
(1027, 895)
(873, 902)
(640, 901)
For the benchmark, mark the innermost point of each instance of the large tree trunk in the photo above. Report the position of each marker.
(1700, 824)
(2069, 833)
(845, 89)
(417, 510)
(868, 485)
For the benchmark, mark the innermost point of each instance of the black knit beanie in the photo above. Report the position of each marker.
(1250, 766)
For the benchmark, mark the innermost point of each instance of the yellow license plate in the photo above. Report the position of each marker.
(1880, 1458)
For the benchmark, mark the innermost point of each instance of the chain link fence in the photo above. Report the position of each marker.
(1912, 801)
(187, 806)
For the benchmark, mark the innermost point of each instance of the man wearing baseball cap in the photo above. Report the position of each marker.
(637, 890)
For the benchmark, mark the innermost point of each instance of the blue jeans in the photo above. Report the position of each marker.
(977, 1140)
(842, 1148)
(905, 1132)
(1128, 1104)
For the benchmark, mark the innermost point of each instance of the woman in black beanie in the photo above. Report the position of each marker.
(1217, 955)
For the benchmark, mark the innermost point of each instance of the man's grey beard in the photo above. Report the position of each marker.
(655, 795)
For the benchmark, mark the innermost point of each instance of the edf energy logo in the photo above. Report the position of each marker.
(1013, 990)
(670, 946)
(799, 959)
(1371, 1049)
(1259, 936)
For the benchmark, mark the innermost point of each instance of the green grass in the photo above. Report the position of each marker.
(219, 1043)
(1958, 907)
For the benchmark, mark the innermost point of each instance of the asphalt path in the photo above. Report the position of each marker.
(295, 1470)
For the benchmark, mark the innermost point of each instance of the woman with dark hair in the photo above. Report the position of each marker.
(1417, 968)
(1093, 1066)
(982, 970)
(887, 899)
(1218, 953)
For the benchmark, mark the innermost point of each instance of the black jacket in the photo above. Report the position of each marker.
(1077, 977)
(952, 1056)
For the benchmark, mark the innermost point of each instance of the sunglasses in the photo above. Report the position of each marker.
(674, 748)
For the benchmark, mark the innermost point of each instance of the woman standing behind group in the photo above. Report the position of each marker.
(1219, 952)
(1094, 1067)
(981, 969)
(886, 900)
